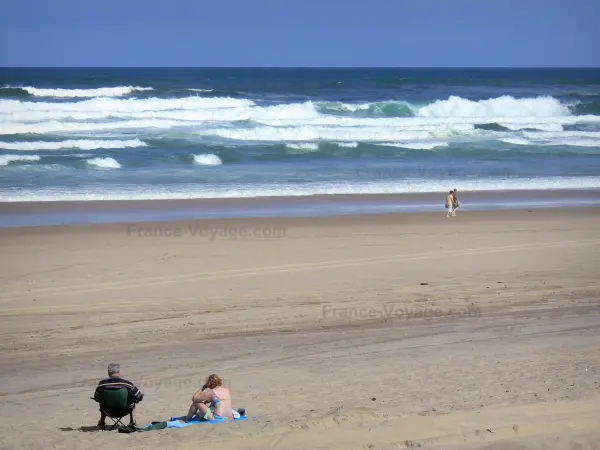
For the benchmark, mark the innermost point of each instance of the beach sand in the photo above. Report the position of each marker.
(357, 332)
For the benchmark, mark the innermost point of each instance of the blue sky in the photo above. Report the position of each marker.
(308, 33)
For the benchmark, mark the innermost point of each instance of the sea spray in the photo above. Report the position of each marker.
(104, 163)
(207, 159)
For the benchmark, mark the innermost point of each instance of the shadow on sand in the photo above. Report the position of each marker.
(83, 428)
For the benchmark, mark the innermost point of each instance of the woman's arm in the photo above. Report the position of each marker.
(203, 396)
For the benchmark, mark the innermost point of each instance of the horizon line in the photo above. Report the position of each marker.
(300, 67)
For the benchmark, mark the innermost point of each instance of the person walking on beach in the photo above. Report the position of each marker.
(455, 205)
(450, 204)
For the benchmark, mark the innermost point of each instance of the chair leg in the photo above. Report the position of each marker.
(116, 423)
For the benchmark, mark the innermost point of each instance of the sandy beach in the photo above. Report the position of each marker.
(358, 332)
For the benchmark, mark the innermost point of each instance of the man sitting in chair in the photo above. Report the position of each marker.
(117, 396)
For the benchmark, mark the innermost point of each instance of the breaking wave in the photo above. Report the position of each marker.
(377, 109)
(505, 106)
(295, 121)
(417, 145)
(5, 160)
(118, 91)
(207, 159)
(305, 146)
(197, 118)
(104, 163)
(80, 144)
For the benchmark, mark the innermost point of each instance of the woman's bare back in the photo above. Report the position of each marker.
(222, 397)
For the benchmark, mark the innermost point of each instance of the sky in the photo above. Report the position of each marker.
(294, 33)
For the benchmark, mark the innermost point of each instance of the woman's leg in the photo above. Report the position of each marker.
(194, 408)
(204, 412)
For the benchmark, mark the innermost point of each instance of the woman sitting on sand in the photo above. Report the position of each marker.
(213, 401)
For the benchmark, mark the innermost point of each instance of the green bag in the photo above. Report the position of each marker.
(152, 426)
(127, 429)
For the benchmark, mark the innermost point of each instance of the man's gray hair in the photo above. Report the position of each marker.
(113, 368)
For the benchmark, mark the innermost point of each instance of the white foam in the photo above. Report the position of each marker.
(60, 127)
(200, 90)
(104, 163)
(307, 189)
(207, 159)
(5, 160)
(566, 138)
(545, 126)
(574, 143)
(376, 107)
(312, 133)
(562, 134)
(308, 146)
(417, 145)
(76, 93)
(114, 105)
(347, 144)
(356, 107)
(352, 107)
(505, 106)
(13, 112)
(80, 144)
(447, 121)
(516, 141)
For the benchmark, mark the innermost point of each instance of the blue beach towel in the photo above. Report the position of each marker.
(174, 422)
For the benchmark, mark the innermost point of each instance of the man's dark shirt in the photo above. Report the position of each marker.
(117, 383)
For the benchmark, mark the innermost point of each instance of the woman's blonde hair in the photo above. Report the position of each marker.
(212, 382)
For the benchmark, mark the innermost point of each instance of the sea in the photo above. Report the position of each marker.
(91, 134)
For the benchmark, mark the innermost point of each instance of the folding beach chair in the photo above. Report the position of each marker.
(116, 404)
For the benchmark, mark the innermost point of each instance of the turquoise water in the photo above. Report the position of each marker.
(85, 134)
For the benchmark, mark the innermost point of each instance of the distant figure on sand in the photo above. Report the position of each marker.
(450, 204)
(213, 401)
(455, 205)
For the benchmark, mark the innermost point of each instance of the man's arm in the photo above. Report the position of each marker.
(98, 393)
(136, 393)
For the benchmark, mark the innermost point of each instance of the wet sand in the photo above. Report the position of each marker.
(17, 214)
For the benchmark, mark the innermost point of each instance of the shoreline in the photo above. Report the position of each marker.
(27, 214)
(271, 230)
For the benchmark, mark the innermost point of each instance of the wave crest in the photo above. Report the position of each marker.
(505, 106)
(417, 145)
(117, 91)
(104, 163)
(5, 160)
(207, 159)
(373, 110)
(81, 144)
